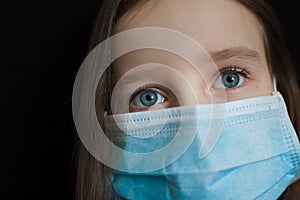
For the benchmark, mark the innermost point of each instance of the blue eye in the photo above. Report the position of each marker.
(147, 99)
(230, 79)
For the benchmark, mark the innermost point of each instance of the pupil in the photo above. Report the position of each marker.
(231, 80)
(148, 98)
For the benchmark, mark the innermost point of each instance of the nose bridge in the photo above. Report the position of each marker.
(196, 90)
(201, 72)
(203, 94)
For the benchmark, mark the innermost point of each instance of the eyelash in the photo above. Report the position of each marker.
(235, 69)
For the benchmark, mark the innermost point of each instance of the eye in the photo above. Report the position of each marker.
(147, 98)
(231, 78)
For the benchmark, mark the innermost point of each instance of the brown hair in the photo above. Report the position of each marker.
(92, 177)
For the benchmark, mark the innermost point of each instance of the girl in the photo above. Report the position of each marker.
(244, 44)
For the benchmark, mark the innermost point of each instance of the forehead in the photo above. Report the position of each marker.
(216, 24)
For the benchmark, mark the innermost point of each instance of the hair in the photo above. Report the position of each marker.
(93, 180)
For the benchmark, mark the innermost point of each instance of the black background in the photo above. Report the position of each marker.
(44, 43)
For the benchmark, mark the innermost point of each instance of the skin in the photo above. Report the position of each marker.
(229, 33)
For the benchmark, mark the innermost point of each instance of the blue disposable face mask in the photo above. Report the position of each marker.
(254, 155)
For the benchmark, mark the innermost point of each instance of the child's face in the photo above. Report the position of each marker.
(228, 31)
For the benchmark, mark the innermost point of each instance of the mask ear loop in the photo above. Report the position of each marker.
(275, 91)
(105, 114)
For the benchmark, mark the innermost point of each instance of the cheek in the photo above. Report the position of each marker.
(264, 83)
(265, 87)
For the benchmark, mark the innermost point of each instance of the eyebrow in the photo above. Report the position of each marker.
(240, 52)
